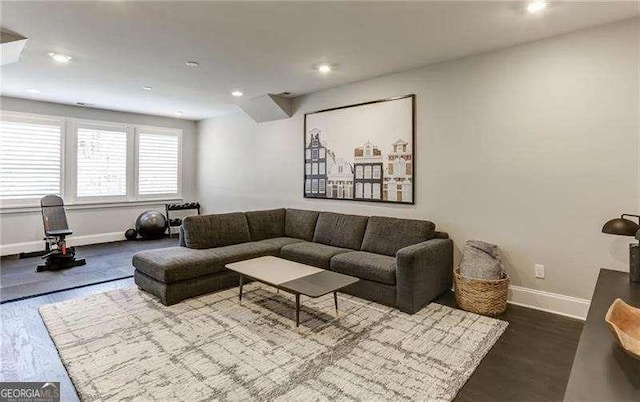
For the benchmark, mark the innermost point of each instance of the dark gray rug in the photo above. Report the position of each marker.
(105, 262)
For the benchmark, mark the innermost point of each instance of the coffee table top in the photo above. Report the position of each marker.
(292, 276)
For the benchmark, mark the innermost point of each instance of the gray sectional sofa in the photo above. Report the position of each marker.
(400, 262)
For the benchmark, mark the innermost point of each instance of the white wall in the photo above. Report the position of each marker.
(22, 231)
(533, 148)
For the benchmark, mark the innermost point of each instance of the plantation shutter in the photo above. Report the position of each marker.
(30, 158)
(101, 163)
(158, 158)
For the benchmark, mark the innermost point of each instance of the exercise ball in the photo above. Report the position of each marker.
(151, 225)
(130, 234)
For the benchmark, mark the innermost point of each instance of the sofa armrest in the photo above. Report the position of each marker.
(424, 271)
(181, 240)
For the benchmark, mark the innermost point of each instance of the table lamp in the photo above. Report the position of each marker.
(625, 227)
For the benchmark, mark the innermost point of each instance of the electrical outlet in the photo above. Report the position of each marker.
(539, 270)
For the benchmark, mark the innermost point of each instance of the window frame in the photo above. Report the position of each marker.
(69, 163)
(30, 118)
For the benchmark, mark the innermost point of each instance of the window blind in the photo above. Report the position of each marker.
(101, 163)
(30, 159)
(158, 163)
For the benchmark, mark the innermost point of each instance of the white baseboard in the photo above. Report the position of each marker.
(17, 248)
(550, 302)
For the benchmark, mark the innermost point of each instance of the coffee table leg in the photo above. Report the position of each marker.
(240, 288)
(297, 309)
(335, 300)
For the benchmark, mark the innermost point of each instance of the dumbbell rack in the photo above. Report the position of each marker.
(178, 207)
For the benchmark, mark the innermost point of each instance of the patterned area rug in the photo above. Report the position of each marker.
(123, 344)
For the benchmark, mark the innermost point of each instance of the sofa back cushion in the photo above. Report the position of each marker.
(388, 235)
(266, 224)
(300, 224)
(340, 230)
(208, 231)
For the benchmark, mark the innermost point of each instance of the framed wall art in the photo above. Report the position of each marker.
(361, 152)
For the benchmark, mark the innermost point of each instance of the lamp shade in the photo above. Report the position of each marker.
(620, 226)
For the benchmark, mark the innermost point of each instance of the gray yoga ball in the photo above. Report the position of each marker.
(151, 225)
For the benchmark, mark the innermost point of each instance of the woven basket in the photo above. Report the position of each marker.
(481, 296)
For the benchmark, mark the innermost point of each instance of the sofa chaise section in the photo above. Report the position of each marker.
(212, 241)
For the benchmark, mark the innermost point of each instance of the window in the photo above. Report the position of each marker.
(158, 163)
(101, 162)
(367, 172)
(322, 168)
(314, 186)
(322, 186)
(307, 186)
(358, 190)
(314, 168)
(377, 171)
(323, 153)
(376, 191)
(86, 161)
(307, 169)
(367, 190)
(31, 158)
(359, 172)
(314, 154)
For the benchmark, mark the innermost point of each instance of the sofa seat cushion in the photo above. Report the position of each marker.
(370, 266)
(280, 242)
(175, 264)
(388, 235)
(266, 224)
(340, 230)
(318, 255)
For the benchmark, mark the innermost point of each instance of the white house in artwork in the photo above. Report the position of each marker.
(399, 173)
(368, 165)
(340, 180)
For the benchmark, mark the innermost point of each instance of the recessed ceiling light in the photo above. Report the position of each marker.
(192, 63)
(536, 6)
(60, 58)
(147, 88)
(179, 113)
(324, 68)
(237, 93)
(33, 91)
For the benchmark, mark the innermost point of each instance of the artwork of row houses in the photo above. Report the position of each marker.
(362, 152)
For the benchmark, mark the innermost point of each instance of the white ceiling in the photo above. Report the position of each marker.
(257, 47)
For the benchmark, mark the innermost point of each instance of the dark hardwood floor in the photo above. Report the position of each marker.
(530, 362)
(105, 262)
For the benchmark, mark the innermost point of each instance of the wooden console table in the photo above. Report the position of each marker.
(601, 370)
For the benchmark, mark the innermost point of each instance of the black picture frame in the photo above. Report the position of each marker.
(307, 186)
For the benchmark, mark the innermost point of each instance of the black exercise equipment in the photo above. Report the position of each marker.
(179, 207)
(54, 219)
(130, 234)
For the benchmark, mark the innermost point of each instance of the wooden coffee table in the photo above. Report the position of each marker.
(293, 277)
